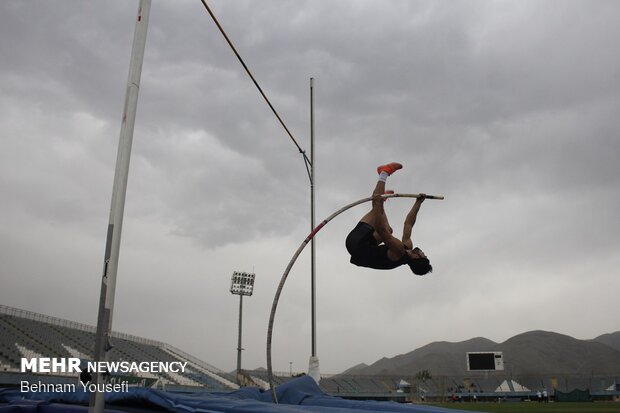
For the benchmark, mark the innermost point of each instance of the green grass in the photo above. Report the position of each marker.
(533, 407)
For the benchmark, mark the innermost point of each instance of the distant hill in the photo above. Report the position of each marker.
(551, 353)
(534, 352)
(612, 340)
(438, 356)
(354, 370)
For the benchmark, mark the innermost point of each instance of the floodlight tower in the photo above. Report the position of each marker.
(242, 283)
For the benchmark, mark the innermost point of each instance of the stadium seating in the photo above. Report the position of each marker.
(24, 334)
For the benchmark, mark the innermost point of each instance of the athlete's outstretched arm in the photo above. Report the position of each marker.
(410, 221)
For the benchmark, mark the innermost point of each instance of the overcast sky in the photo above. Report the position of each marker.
(507, 108)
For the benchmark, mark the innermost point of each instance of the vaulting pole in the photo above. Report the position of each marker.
(305, 242)
(110, 264)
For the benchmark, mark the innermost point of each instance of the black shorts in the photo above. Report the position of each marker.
(361, 239)
(367, 252)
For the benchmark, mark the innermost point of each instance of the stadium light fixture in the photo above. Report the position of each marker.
(242, 283)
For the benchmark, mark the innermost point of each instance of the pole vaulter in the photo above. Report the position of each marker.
(292, 262)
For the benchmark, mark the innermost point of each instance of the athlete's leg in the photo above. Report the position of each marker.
(369, 217)
(377, 213)
(377, 217)
(382, 227)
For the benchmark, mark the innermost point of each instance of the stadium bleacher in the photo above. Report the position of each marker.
(24, 334)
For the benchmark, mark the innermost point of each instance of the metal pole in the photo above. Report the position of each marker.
(313, 363)
(119, 190)
(312, 246)
(239, 348)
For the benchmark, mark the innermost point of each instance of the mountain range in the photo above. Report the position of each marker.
(535, 352)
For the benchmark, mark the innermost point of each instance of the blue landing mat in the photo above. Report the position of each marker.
(299, 395)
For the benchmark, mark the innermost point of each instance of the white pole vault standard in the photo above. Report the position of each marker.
(292, 262)
(117, 208)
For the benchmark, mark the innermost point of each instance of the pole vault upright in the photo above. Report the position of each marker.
(117, 208)
(313, 364)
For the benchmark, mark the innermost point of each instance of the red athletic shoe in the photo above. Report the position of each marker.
(389, 168)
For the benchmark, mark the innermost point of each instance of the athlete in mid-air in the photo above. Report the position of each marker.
(371, 243)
